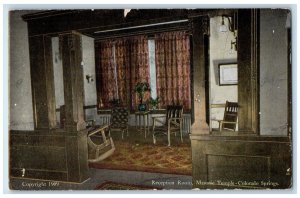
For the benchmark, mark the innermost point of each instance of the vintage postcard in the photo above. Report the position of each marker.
(150, 99)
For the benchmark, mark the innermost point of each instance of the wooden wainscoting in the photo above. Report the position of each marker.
(49, 155)
(229, 162)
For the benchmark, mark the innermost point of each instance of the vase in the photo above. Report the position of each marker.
(142, 107)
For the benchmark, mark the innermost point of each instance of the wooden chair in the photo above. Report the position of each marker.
(230, 117)
(172, 124)
(103, 147)
(119, 120)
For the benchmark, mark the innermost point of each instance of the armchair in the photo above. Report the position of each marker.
(119, 120)
(172, 124)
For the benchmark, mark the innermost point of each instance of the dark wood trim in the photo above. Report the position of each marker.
(142, 31)
(200, 28)
(90, 107)
(192, 79)
(84, 107)
(88, 21)
(207, 81)
(49, 154)
(257, 46)
(242, 137)
(42, 82)
(290, 80)
(248, 60)
(260, 159)
(73, 80)
(45, 14)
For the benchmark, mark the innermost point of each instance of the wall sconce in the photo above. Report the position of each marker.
(232, 27)
(233, 47)
(89, 78)
(231, 24)
(223, 27)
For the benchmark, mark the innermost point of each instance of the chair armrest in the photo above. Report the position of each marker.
(227, 122)
(99, 129)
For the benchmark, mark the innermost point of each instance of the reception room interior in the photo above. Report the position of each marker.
(145, 99)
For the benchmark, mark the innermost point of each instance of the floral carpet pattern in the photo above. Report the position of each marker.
(149, 158)
(109, 185)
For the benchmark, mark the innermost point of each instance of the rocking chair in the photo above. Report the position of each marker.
(99, 151)
(173, 123)
(229, 121)
(100, 146)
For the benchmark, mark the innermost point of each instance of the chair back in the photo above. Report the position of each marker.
(119, 117)
(230, 115)
(174, 111)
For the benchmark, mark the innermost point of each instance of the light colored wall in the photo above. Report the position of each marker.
(90, 92)
(219, 52)
(88, 59)
(20, 97)
(273, 72)
(58, 76)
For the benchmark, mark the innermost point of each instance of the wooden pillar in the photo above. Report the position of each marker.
(248, 61)
(76, 146)
(42, 82)
(70, 45)
(199, 29)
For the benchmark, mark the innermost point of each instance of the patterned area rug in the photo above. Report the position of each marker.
(149, 158)
(109, 185)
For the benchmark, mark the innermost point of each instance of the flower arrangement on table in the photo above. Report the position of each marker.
(154, 102)
(140, 89)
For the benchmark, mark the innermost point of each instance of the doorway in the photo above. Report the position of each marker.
(222, 70)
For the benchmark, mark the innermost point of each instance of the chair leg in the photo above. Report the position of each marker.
(181, 136)
(154, 139)
(169, 138)
(122, 134)
(181, 133)
(109, 133)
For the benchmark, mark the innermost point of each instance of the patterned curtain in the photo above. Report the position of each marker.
(139, 65)
(106, 90)
(172, 59)
(120, 65)
(122, 68)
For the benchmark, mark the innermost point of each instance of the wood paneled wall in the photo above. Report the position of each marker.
(242, 162)
(42, 82)
(49, 155)
(248, 88)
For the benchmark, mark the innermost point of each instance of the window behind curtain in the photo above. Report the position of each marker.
(124, 62)
(172, 59)
(152, 68)
(121, 63)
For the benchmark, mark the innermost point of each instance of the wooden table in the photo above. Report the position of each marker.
(142, 121)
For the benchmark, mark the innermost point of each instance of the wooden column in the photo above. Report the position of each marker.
(199, 29)
(70, 46)
(42, 82)
(76, 146)
(248, 61)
